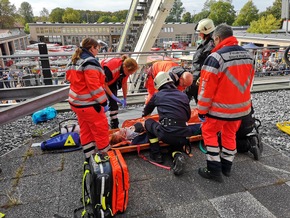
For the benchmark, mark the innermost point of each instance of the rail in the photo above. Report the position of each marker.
(34, 98)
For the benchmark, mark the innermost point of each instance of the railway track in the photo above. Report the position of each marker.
(42, 96)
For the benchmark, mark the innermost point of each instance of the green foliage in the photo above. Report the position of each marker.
(248, 13)
(186, 17)
(264, 25)
(44, 15)
(104, 19)
(56, 15)
(71, 16)
(175, 12)
(204, 14)
(208, 4)
(26, 28)
(275, 9)
(222, 12)
(7, 12)
(26, 12)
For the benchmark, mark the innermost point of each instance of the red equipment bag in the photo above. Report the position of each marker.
(121, 183)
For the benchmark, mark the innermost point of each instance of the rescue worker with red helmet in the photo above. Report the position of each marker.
(182, 79)
(87, 97)
(205, 28)
(224, 99)
(117, 71)
(174, 112)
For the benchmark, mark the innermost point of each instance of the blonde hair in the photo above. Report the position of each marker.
(87, 43)
(129, 63)
(116, 137)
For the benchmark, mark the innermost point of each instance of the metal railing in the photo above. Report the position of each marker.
(38, 97)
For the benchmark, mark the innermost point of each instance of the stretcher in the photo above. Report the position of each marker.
(284, 126)
(126, 146)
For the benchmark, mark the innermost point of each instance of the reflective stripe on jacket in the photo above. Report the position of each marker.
(226, 79)
(114, 65)
(86, 79)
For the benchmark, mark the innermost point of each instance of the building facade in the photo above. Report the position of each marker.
(72, 33)
(12, 40)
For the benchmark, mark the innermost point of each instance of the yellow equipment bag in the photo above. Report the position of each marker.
(284, 126)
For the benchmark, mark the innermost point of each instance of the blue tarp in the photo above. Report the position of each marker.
(250, 46)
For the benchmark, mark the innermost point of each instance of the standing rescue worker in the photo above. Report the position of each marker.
(182, 79)
(87, 97)
(205, 28)
(117, 71)
(224, 99)
(174, 112)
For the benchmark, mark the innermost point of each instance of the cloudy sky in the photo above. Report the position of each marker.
(192, 6)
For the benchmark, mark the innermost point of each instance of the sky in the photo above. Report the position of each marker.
(192, 6)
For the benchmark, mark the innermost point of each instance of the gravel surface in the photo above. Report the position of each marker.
(270, 108)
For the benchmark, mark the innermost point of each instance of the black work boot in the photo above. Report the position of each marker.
(114, 123)
(155, 154)
(156, 157)
(215, 176)
(226, 167)
(179, 163)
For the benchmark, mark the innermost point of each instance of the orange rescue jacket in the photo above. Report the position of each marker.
(225, 82)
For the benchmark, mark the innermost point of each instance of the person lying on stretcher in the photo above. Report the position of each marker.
(136, 134)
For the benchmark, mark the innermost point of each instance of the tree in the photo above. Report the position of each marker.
(186, 17)
(44, 15)
(248, 13)
(275, 9)
(175, 12)
(201, 15)
(208, 4)
(71, 16)
(26, 28)
(121, 15)
(26, 12)
(104, 19)
(264, 25)
(6, 14)
(222, 12)
(56, 15)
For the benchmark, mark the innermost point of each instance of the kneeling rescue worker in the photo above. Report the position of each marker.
(174, 111)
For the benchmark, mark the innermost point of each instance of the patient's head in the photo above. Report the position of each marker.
(116, 138)
(127, 133)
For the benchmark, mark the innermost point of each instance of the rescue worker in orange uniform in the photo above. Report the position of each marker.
(224, 99)
(87, 97)
(178, 74)
(117, 71)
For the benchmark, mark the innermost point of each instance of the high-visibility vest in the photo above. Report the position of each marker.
(226, 79)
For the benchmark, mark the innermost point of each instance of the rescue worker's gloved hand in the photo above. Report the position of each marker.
(116, 99)
(201, 117)
(106, 108)
(124, 103)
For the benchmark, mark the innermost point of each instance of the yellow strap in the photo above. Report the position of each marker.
(98, 159)
(175, 152)
(154, 140)
(104, 203)
(83, 188)
(2, 215)
(84, 213)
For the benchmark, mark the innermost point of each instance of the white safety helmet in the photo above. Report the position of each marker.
(161, 79)
(205, 26)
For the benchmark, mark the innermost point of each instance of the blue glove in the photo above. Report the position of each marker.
(124, 103)
(106, 108)
(201, 117)
(116, 99)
